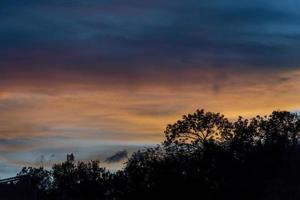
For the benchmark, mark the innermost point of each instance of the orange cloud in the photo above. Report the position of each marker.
(141, 114)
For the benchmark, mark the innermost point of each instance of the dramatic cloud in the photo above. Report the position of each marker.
(96, 77)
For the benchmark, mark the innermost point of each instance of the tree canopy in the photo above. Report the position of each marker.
(204, 155)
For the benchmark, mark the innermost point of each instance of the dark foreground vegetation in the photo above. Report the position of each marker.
(204, 156)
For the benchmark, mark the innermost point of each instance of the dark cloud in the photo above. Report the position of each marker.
(138, 35)
(117, 157)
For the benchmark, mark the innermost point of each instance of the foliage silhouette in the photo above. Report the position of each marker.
(204, 156)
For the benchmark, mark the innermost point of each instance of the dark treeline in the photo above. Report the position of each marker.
(204, 156)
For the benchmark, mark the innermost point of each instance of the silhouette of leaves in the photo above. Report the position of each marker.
(204, 156)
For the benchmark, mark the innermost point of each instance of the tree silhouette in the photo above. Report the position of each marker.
(195, 130)
(204, 156)
(79, 180)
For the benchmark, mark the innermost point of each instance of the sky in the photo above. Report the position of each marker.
(96, 77)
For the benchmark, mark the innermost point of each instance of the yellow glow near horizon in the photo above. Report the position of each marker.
(140, 114)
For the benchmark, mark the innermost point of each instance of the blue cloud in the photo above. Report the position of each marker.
(126, 34)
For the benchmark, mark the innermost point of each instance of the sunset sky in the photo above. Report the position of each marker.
(94, 77)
